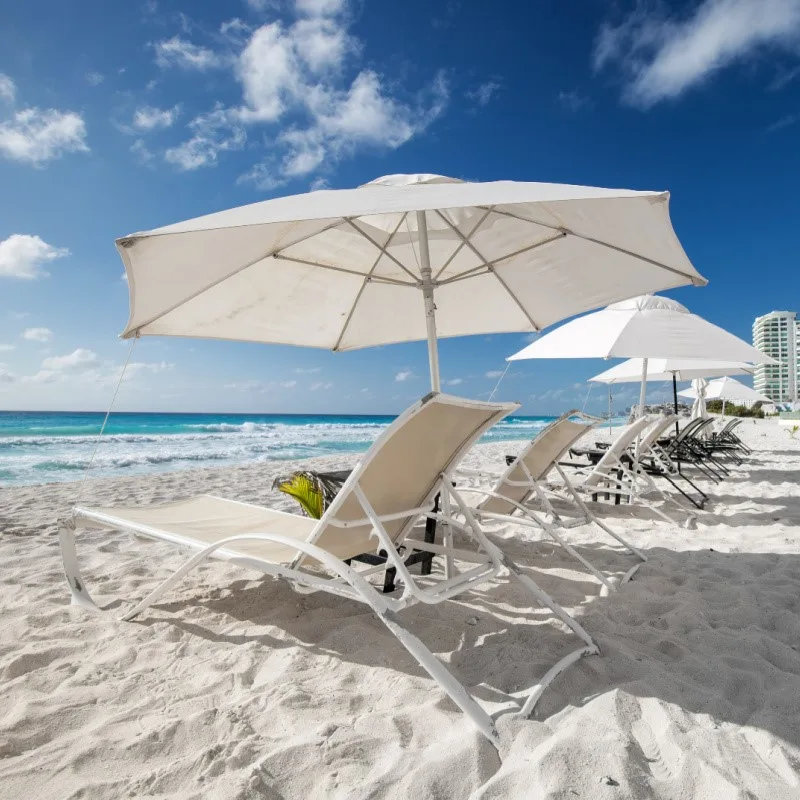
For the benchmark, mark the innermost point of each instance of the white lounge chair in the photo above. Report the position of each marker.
(617, 470)
(518, 494)
(392, 487)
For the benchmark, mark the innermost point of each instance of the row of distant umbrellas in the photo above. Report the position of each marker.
(418, 257)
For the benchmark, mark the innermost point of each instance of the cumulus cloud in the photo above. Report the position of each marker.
(213, 133)
(23, 256)
(37, 334)
(37, 135)
(78, 360)
(662, 57)
(149, 118)
(179, 52)
(484, 92)
(306, 371)
(404, 375)
(4, 348)
(8, 90)
(321, 386)
(453, 382)
(94, 78)
(143, 155)
(300, 81)
(287, 384)
(494, 373)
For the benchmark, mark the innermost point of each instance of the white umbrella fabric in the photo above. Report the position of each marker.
(727, 389)
(404, 258)
(643, 327)
(665, 369)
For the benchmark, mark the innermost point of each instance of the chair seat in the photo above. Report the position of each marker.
(201, 521)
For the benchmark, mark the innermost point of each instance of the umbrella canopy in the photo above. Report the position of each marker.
(665, 369)
(644, 327)
(699, 385)
(346, 269)
(728, 389)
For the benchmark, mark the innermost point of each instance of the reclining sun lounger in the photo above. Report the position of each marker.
(518, 494)
(617, 471)
(386, 494)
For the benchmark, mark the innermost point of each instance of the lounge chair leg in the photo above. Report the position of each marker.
(428, 661)
(591, 648)
(69, 557)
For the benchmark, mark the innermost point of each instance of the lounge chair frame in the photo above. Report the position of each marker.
(487, 562)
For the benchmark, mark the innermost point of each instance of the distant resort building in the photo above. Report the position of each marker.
(776, 334)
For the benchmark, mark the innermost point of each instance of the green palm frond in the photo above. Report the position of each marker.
(313, 492)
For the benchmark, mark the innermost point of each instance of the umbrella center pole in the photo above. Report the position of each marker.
(427, 295)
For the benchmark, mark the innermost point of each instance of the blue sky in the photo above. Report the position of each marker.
(127, 116)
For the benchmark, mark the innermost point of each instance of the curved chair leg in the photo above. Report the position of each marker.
(69, 557)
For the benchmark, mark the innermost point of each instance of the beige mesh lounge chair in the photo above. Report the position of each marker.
(618, 471)
(518, 494)
(392, 487)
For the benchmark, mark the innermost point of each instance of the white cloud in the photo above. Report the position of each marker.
(572, 101)
(484, 92)
(78, 360)
(4, 348)
(23, 256)
(178, 52)
(37, 334)
(5, 375)
(320, 7)
(663, 57)
(8, 91)
(214, 132)
(494, 373)
(94, 78)
(136, 368)
(149, 118)
(306, 371)
(262, 5)
(318, 184)
(453, 382)
(296, 74)
(404, 375)
(143, 155)
(36, 135)
(287, 384)
(321, 385)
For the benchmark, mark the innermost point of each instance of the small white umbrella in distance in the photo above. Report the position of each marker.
(643, 327)
(404, 258)
(664, 369)
(728, 389)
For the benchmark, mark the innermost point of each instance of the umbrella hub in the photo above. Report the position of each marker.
(412, 180)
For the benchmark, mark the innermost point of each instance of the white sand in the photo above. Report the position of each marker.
(236, 687)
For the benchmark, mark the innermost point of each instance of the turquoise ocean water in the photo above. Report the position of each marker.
(42, 447)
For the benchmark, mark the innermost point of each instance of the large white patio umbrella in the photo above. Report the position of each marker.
(643, 327)
(404, 258)
(674, 369)
(727, 389)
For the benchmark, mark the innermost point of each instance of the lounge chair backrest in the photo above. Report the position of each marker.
(539, 457)
(687, 430)
(610, 458)
(401, 470)
(654, 434)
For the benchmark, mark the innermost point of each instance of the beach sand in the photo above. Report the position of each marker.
(234, 686)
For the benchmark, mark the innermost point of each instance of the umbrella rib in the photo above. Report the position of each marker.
(490, 268)
(382, 250)
(366, 280)
(381, 278)
(692, 278)
(461, 243)
(126, 242)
